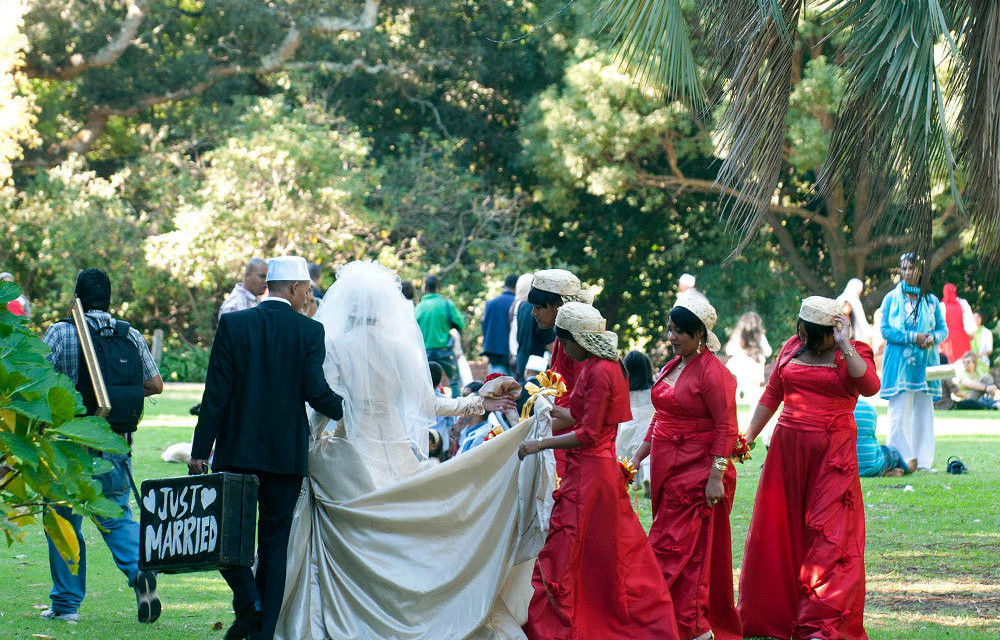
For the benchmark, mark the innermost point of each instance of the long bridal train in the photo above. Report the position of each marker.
(444, 554)
(383, 545)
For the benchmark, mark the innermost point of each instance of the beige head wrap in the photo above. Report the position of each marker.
(588, 328)
(819, 310)
(705, 312)
(562, 283)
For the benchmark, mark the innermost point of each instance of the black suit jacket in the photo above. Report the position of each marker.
(266, 363)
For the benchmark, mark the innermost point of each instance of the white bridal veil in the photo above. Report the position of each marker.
(376, 359)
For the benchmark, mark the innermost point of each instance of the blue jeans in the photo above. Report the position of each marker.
(446, 358)
(120, 534)
(893, 459)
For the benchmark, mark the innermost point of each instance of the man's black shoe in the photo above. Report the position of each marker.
(146, 599)
(247, 621)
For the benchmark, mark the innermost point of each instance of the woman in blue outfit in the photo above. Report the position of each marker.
(913, 326)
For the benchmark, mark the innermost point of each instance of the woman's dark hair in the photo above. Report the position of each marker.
(687, 322)
(437, 371)
(406, 287)
(93, 288)
(541, 298)
(565, 334)
(816, 335)
(472, 387)
(639, 370)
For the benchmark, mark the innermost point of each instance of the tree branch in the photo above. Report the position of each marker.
(789, 247)
(427, 104)
(106, 55)
(709, 186)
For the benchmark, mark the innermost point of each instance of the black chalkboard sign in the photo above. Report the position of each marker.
(197, 523)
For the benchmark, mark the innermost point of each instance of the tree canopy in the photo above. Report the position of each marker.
(477, 139)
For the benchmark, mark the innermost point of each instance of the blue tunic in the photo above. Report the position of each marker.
(905, 363)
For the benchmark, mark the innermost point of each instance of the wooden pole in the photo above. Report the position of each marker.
(90, 357)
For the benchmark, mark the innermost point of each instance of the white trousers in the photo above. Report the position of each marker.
(911, 427)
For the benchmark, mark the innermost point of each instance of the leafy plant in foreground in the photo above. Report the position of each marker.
(45, 456)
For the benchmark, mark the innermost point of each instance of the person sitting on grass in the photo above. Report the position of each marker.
(876, 460)
(973, 390)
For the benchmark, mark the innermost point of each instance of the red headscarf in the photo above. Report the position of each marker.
(958, 342)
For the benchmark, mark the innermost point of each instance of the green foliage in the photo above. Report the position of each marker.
(183, 362)
(17, 115)
(288, 180)
(44, 455)
(812, 109)
(591, 142)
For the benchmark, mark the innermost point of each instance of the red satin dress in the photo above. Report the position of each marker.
(566, 367)
(804, 566)
(596, 577)
(695, 420)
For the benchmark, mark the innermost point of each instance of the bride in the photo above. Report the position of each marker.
(377, 363)
(384, 544)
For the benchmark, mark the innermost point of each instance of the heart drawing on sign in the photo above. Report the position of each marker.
(207, 497)
(149, 501)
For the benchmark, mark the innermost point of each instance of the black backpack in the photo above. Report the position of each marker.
(121, 366)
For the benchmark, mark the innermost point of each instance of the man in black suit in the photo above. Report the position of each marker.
(266, 363)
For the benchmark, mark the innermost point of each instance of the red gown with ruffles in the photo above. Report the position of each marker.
(596, 577)
(804, 566)
(695, 420)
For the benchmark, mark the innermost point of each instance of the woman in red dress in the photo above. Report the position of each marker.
(550, 288)
(803, 574)
(596, 577)
(691, 438)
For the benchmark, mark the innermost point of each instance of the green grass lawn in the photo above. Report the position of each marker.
(933, 554)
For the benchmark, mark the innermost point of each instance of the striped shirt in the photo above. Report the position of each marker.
(871, 458)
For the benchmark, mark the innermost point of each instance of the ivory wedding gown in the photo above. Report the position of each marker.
(384, 545)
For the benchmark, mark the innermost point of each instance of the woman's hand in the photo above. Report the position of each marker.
(842, 331)
(713, 489)
(528, 448)
(640, 454)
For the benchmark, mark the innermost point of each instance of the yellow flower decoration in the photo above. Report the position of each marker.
(494, 432)
(550, 383)
(628, 469)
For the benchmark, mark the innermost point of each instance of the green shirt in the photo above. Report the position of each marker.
(436, 316)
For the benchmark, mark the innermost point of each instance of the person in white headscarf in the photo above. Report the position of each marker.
(521, 290)
(748, 351)
(853, 309)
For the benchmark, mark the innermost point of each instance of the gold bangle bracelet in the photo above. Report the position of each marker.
(719, 463)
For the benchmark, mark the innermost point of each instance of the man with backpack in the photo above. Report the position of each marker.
(129, 375)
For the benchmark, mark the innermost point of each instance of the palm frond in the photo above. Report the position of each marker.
(892, 125)
(653, 40)
(752, 128)
(979, 118)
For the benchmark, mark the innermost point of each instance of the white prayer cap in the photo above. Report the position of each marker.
(536, 364)
(6, 276)
(686, 280)
(290, 268)
(819, 310)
